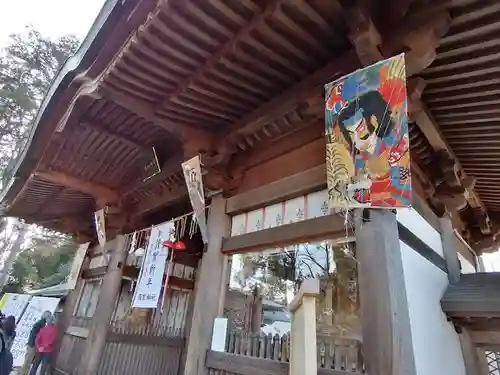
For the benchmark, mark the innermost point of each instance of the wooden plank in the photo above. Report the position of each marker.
(78, 332)
(482, 338)
(387, 337)
(100, 192)
(290, 187)
(450, 250)
(110, 289)
(244, 365)
(330, 226)
(145, 340)
(409, 238)
(210, 278)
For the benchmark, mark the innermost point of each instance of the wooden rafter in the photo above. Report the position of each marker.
(101, 193)
(147, 112)
(168, 196)
(113, 135)
(224, 50)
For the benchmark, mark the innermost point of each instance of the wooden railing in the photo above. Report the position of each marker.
(333, 353)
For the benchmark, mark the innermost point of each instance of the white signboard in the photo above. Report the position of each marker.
(32, 314)
(14, 304)
(77, 265)
(148, 289)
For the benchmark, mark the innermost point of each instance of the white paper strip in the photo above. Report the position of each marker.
(148, 290)
(100, 226)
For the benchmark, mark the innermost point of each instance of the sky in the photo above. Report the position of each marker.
(53, 18)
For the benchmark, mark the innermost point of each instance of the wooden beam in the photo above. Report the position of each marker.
(284, 103)
(387, 336)
(330, 226)
(113, 135)
(110, 289)
(168, 196)
(290, 187)
(485, 338)
(99, 192)
(147, 111)
(450, 250)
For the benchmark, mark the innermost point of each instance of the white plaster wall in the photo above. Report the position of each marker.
(413, 221)
(467, 267)
(435, 343)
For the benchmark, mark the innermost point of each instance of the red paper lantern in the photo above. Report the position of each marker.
(180, 246)
(168, 243)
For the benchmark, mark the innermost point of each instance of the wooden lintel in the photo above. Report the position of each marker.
(99, 192)
(166, 197)
(485, 338)
(113, 135)
(331, 227)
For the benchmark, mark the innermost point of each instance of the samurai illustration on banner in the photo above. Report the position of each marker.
(367, 151)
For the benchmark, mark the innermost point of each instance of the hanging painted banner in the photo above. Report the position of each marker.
(148, 290)
(100, 226)
(194, 182)
(77, 265)
(367, 151)
(14, 304)
(32, 314)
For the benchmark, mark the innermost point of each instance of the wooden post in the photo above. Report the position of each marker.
(211, 284)
(387, 339)
(482, 362)
(110, 289)
(470, 354)
(450, 250)
(72, 299)
(303, 351)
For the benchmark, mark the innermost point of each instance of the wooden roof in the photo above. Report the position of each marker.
(241, 83)
(475, 295)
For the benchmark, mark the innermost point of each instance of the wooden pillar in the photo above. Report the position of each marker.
(449, 241)
(110, 289)
(470, 354)
(64, 320)
(387, 338)
(482, 362)
(211, 286)
(303, 351)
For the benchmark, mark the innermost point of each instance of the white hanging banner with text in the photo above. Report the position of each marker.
(194, 182)
(148, 290)
(32, 314)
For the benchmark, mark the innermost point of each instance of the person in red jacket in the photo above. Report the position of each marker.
(44, 345)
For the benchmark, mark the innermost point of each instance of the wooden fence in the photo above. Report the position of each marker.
(253, 354)
(155, 349)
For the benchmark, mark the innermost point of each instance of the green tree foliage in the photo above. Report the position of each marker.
(28, 64)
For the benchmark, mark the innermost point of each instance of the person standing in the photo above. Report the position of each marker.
(9, 330)
(44, 345)
(6, 359)
(30, 346)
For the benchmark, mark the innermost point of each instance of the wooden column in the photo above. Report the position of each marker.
(449, 241)
(303, 350)
(64, 320)
(470, 354)
(210, 289)
(387, 339)
(110, 289)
